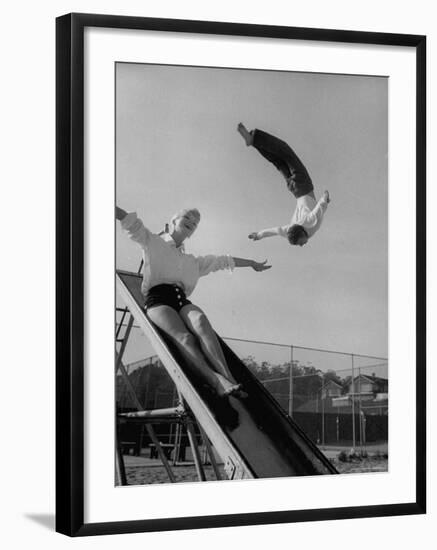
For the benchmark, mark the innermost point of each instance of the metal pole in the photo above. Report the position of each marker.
(179, 429)
(208, 447)
(150, 430)
(195, 450)
(120, 324)
(205, 455)
(124, 343)
(176, 444)
(180, 435)
(290, 385)
(120, 471)
(161, 454)
(323, 420)
(359, 409)
(353, 404)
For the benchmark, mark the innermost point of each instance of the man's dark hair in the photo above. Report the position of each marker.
(295, 232)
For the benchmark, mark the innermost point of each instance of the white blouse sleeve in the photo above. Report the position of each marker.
(135, 229)
(319, 210)
(210, 263)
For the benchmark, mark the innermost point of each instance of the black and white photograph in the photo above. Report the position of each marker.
(251, 276)
(240, 274)
(218, 295)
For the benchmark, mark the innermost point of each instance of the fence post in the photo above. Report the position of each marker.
(323, 418)
(353, 404)
(290, 385)
(360, 410)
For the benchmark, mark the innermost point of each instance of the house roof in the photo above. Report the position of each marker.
(329, 382)
(371, 378)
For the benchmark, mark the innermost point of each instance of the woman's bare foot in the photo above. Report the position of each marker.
(236, 391)
(227, 387)
(240, 394)
(247, 136)
(223, 385)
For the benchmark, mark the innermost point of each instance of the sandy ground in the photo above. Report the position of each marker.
(145, 471)
(146, 475)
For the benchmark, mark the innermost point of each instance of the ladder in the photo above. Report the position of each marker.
(179, 415)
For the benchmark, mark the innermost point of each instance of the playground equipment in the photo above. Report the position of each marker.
(254, 437)
(182, 418)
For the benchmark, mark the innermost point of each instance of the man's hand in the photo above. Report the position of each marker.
(260, 266)
(326, 197)
(254, 236)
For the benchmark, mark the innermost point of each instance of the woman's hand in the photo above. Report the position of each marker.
(260, 266)
(120, 214)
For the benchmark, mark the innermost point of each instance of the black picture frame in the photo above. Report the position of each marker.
(70, 272)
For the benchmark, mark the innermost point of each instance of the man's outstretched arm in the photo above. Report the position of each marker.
(280, 231)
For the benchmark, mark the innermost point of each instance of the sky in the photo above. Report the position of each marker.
(177, 147)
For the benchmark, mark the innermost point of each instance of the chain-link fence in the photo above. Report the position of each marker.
(339, 399)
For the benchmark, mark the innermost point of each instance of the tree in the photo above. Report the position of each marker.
(332, 375)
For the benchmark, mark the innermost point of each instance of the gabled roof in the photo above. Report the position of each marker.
(329, 382)
(371, 378)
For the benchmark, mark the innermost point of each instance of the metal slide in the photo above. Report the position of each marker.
(254, 437)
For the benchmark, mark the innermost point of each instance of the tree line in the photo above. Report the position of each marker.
(155, 389)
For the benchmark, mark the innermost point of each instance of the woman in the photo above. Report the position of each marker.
(169, 276)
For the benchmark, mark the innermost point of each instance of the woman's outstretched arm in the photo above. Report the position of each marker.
(133, 226)
(257, 266)
(209, 264)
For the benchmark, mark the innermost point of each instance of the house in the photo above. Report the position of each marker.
(370, 392)
(366, 387)
(331, 389)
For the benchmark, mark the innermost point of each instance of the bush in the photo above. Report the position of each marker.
(380, 455)
(352, 456)
(342, 456)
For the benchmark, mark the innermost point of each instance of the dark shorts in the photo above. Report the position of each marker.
(166, 295)
(282, 156)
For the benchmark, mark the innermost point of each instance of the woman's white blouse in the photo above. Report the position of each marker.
(164, 263)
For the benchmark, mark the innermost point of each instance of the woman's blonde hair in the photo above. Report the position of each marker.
(195, 213)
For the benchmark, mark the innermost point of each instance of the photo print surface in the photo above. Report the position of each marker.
(251, 274)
